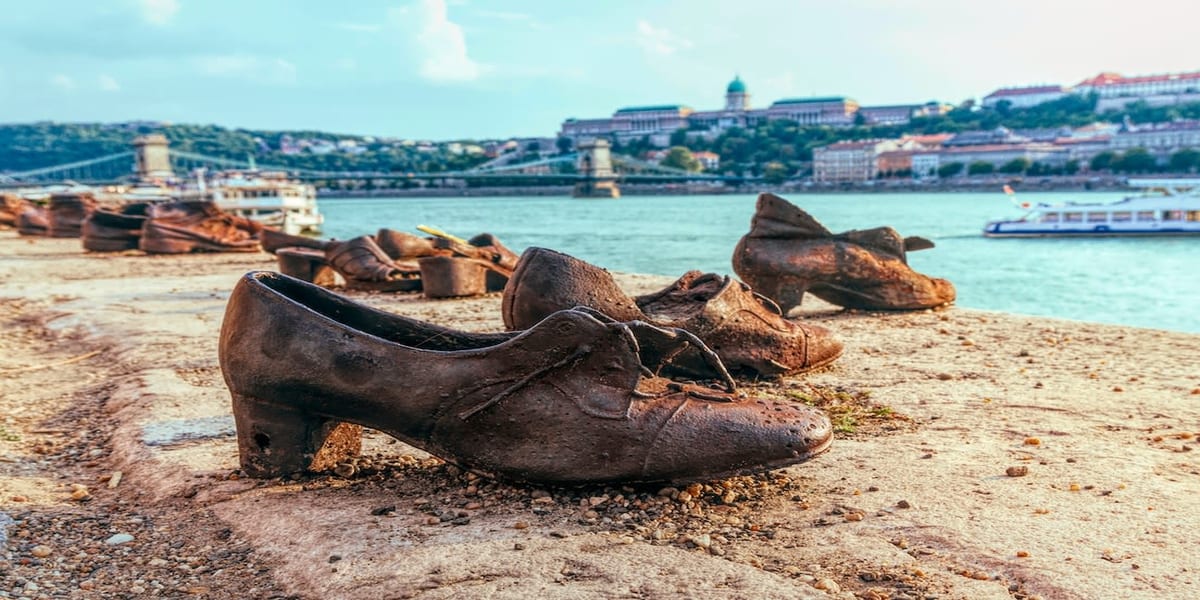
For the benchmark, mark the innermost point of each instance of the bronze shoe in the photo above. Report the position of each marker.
(366, 267)
(747, 331)
(453, 276)
(182, 227)
(11, 206)
(33, 220)
(114, 229)
(399, 245)
(788, 253)
(566, 402)
(66, 213)
(273, 239)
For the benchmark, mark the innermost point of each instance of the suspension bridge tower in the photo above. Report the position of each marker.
(595, 166)
(153, 158)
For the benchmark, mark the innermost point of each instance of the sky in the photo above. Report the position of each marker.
(476, 69)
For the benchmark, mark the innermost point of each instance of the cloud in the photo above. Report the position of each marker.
(504, 15)
(360, 27)
(62, 82)
(659, 41)
(440, 42)
(158, 12)
(109, 84)
(242, 66)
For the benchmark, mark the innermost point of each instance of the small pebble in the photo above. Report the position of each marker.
(828, 585)
(1022, 554)
(520, 525)
(1017, 471)
(1032, 441)
(41, 551)
(118, 539)
(903, 504)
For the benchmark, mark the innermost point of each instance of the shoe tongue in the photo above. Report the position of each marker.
(686, 296)
(775, 217)
(879, 239)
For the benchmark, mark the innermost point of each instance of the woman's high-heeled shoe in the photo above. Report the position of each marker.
(747, 331)
(567, 402)
(788, 253)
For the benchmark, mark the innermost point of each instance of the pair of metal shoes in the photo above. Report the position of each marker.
(788, 253)
(61, 217)
(575, 395)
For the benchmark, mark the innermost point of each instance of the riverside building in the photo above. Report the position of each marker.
(658, 122)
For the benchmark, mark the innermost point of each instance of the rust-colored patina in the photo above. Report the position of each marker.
(453, 276)
(565, 402)
(11, 205)
(788, 253)
(196, 226)
(66, 213)
(113, 229)
(747, 331)
(33, 219)
(366, 267)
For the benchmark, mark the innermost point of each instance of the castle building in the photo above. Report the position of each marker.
(658, 122)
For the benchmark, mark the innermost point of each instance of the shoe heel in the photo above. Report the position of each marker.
(276, 440)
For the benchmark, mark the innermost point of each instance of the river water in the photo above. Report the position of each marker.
(1146, 282)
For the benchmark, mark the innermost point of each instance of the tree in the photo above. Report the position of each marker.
(775, 172)
(1103, 161)
(980, 167)
(679, 157)
(1136, 160)
(950, 169)
(1016, 165)
(564, 145)
(1071, 168)
(1185, 160)
(679, 137)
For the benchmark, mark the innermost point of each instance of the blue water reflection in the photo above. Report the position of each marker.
(1141, 282)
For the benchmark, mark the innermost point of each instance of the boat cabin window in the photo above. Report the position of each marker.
(1123, 216)
(1050, 217)
(1073, 217)
(1193, 215)
(1172, 215)
(1146, 215)
(1097, 217)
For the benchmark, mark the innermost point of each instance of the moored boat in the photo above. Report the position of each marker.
(1166, 207)
(267, 197)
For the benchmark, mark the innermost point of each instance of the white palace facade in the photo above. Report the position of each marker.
(659, 122)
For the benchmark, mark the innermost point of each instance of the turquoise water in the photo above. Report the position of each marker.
(1140, 282)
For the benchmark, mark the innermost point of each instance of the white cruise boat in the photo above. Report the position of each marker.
(1166, 207)
(267, 197)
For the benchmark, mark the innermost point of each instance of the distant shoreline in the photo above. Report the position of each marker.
(994, 184)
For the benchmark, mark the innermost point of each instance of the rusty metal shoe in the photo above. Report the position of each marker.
(399, 245)
(748, 332)
(108, 229)
(183, 227)
(366, 267)
(33, 220)
(273, 239)
(787, 253)
(11, 206)
(566, 402)
(67, 212)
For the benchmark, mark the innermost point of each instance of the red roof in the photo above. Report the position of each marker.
(1116, 78)
(1023, 91)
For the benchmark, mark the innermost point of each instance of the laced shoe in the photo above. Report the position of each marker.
(569, 401)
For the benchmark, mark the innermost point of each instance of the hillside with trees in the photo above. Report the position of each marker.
(35, 145)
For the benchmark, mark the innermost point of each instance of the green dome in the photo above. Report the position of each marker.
(736, 86)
